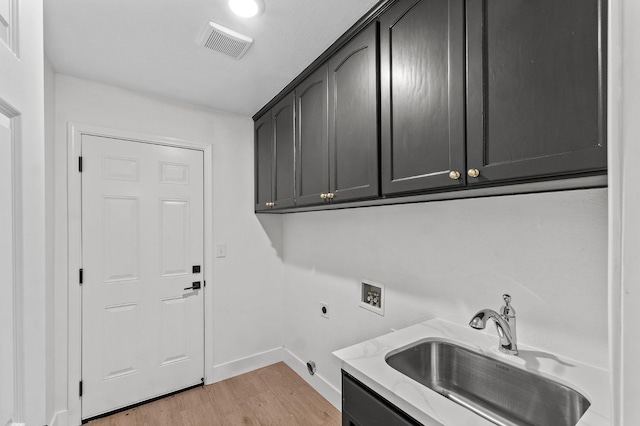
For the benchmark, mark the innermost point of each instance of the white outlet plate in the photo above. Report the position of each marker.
(323, 308)
(221, 250)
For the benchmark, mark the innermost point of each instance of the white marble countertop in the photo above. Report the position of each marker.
(366, 362)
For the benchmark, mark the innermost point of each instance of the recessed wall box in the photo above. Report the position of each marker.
(372, 296)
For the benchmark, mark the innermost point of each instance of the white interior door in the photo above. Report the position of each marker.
(142, 234)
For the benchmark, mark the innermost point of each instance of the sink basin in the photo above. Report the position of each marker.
(499, 392)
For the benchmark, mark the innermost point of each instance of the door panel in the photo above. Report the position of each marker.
(536, 96)
(120, 236)
(142, 230)
(122, 332)
(174, 230)
(284, 144)
(263, 135)
(422, 107)
(312, 163)
(353, 124)
(174, 314)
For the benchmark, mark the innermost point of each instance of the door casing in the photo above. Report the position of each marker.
(75, 131)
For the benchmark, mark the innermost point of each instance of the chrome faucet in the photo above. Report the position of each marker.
(505, 324)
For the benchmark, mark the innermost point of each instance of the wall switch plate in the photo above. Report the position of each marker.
(323, 308)
(372, 296)
(221, 250)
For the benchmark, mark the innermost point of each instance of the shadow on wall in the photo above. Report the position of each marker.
(525, 243)
(272, 225)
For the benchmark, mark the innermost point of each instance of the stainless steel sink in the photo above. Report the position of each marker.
(502, 394)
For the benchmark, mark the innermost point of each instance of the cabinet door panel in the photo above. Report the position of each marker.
(422, 81)
(312, 165)
(263, 136)
(284, 139)
(536, 88)
(362, 406)
(353, 134)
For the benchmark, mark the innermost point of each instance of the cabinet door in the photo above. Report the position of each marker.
(422, 99)
(312, 156)
(363, 407)
(536, 88)
(353, 119)
(263, 137)
(284, 140)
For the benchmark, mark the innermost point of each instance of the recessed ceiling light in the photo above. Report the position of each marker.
(247, 8)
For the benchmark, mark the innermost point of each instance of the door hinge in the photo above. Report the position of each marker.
(80, 388)
(80, 164)
(81, 275)
(204, 283)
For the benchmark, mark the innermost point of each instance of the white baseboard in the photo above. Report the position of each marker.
(60, 418)
(319, 383)
(244, 365)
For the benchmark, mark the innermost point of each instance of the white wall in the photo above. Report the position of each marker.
(247, 290)
(449, 259)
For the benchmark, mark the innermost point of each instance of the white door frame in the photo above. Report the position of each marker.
(74, 222)
(17, 285)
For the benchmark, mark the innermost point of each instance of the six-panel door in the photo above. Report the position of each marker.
(142, 233)
(536, 102)
(422, 101)
(353, 119)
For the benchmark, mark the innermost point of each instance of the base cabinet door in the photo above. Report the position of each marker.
(422, 99)
(363, 407)
(353, 119)
(263, 140)
(536, 88)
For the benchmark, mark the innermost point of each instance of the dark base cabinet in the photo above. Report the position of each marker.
(363, 407)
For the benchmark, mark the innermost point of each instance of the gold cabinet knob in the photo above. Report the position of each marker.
(267, 204)
(323, 196)
(455, 175)
(474, 173)
(331, 195)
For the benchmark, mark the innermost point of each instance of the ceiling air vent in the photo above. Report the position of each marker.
(224, 40)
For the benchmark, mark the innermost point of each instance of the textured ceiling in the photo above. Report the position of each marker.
(150, 46)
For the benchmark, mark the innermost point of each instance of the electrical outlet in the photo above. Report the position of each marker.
(324, 309)
(221, 250)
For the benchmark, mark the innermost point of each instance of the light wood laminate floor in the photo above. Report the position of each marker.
(274, 395)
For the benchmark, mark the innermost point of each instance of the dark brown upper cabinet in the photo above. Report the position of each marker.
(263, 140)
(274, 147)
(536, 88)
(422, 100)
(312, 153)
(284, 146)
(337, 122)
(427, 96)
(353, 119)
